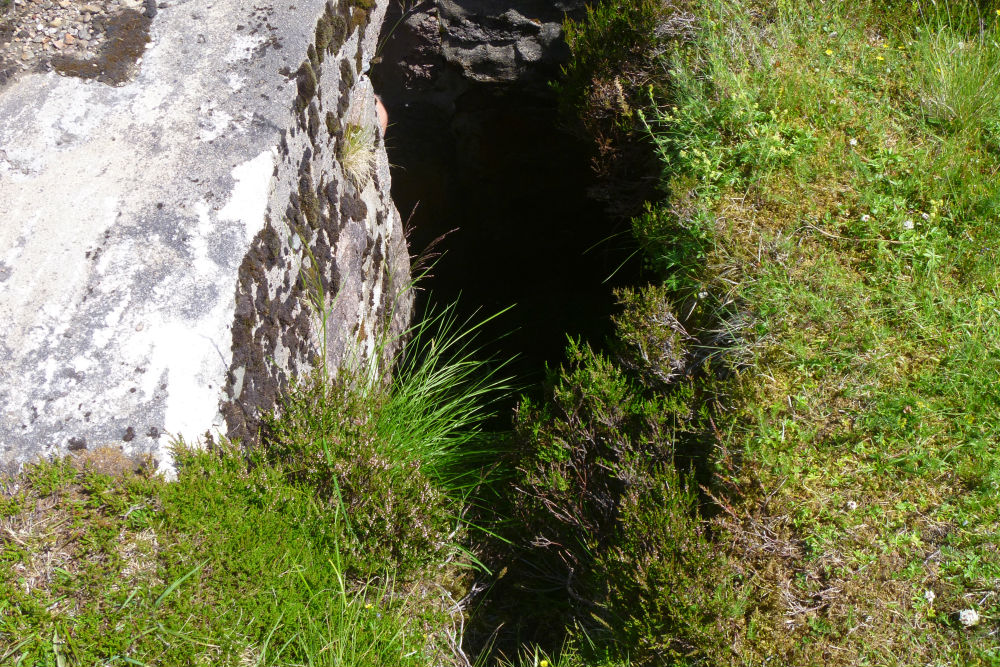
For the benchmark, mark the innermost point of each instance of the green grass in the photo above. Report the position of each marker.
(858, 168)
(337, 543)
(828, 239)
(788, 455)
(227, 566)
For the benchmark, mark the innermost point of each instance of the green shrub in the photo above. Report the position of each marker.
(671, 594)
(614, 62)
(650, 341)
(612, 54)
(596, 440)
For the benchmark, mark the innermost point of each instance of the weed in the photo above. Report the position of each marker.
(357, 153)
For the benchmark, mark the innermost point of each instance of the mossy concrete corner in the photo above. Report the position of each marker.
(156, 231)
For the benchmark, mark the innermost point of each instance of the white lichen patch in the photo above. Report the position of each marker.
(243, 47)
(248, 201)
(213, 122)
(235, 82)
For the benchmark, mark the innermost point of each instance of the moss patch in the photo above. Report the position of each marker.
(307, 85)
(127, 36)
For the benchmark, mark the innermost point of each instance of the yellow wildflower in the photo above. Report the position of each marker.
(829, 52)
(879, 58)
(543, 663)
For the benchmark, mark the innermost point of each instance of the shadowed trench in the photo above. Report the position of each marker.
(497, 193)
(490, 169)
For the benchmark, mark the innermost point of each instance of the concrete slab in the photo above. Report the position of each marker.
(151, 233)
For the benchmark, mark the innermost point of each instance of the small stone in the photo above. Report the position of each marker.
(25, 55)
(91, 9)
(68, 38)
(56, 22)
(64, 3)
(58, 44)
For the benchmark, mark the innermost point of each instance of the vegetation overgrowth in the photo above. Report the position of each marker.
(825, 251)
(337, 542)
(788, 454)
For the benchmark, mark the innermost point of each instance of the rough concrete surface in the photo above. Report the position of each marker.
(151, 233)
(506, 40)
(435, 51)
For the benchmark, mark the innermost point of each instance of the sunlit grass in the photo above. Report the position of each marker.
(869, 417)
(334, 543)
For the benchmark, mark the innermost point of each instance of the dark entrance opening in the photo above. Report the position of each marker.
(490, 167)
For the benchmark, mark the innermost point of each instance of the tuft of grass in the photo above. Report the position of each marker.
(957, 60)
(357, 153)
(442, 393)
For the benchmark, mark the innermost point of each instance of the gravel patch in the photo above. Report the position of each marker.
(98, 39)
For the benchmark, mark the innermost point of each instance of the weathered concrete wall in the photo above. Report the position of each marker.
(447, 44)
(506, 40)
(153, 234)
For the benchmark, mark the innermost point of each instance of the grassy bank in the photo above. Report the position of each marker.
(338, 542)
(820, 357)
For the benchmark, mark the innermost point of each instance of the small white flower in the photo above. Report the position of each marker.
(865, 218)
(929, 596)
(968, 617)
(907, 224)
(853, 141)
(702, 295)
(851, 505)
(925, 216)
